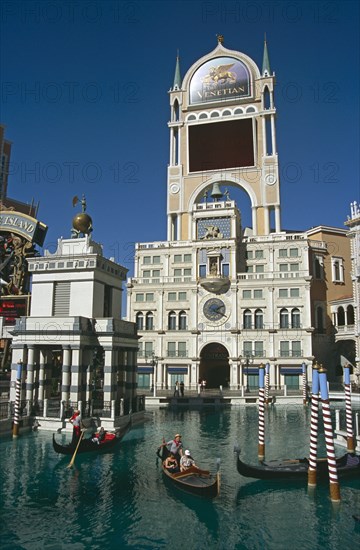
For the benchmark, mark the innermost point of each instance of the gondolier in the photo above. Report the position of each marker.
(175, 446)
(75, 420)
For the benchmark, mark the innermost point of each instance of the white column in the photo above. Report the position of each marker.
(75, 388)
(273, 135)
(254, 219)
(263, 131)
(42, 377)
(266, 220)
(30, 374)
(66, 365)
(109, 375)
(277, 219)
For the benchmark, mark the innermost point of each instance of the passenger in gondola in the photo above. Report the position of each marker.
(171, 464)
(76, 422)
(102, 434)
(186, 461)
(99, 436)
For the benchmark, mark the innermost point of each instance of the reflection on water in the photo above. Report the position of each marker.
(121, 500)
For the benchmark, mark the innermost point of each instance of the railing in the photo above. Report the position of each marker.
(177, 353)
(290, 353)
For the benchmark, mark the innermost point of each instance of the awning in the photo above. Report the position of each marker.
(251, 370)
(145, 370)
(291, 370)
(177, 370)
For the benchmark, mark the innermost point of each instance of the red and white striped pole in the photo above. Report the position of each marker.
(314, 426)
(348, 413)
(304, 383)
(17, 400)
(267, 382)
(261, 446)
(329, 437)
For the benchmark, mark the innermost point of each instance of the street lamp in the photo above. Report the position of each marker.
(154, 363)
(247, 360)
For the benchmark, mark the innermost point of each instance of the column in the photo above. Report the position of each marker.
(18, 354)
(42, 375)
(75, 385)
(254, 219)
(109, 375)
(266, 220)
(263, 130)
(272, 381)
(30, 374)
(277, 219)
(273, 135)
(66, 365)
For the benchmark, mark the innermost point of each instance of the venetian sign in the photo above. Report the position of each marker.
(219, 79)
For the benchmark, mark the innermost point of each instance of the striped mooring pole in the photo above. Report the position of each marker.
(304, 383)
(314, 426)
(17, 400)
(267, 382)
(261, 446)
(349, 426)
(329, 437)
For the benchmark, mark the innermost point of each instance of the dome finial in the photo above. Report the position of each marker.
(220, 38)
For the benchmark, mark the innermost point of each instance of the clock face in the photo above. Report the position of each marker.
(215, 310)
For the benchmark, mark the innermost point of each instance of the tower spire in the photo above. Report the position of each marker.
(266, 62)
(177, 77)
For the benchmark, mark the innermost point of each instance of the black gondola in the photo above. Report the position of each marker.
(194, 480)
(110, 441)
(348, 466)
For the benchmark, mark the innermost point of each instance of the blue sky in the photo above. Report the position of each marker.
(85, 103)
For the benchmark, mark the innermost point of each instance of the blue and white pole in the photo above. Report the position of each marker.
(348, 413)
(329, 437)
(17, 400)
(267, 382)
(304, 383)
(261, 446)
(314, 426)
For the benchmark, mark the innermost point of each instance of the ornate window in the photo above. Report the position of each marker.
(182, 320)
(247, 318)
(172, 320)
(284, 318)
(140, 321)
(149, 321)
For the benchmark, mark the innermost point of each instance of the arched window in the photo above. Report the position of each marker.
(350, 317)
(172, 320)
(295, 318)
(284, 318)
(182, 320)
(340, 316)
(259, 319)
(247, 319)
(149, 321)
(140, 321)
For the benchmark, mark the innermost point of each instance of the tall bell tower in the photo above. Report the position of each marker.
(222, 129)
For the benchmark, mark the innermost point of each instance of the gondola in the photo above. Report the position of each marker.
(194, 480)
(110, 441)
(348, 466)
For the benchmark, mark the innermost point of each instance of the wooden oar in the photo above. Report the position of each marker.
(76, 450)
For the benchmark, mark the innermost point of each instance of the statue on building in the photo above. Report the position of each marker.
(212, 232)
(82, 223)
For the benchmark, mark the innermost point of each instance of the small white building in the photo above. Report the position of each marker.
(75, 349)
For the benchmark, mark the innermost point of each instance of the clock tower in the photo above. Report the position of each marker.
(222, 129)
(214, 296)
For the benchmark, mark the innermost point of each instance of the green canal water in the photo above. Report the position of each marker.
(120, 500)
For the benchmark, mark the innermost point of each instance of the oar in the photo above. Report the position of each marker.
(76, 450)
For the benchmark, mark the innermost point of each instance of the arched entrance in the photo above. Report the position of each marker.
(214, 366)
